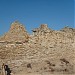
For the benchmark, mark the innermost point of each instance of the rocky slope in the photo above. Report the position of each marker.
(16, 33)
(45, 51)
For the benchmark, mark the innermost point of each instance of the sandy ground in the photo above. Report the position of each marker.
(41, 74)
(44, 74)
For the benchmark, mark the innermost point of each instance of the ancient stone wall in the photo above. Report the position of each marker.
(46, 51)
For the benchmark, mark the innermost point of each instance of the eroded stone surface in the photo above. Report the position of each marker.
(45, 51)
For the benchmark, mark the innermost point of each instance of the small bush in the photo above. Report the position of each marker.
(64, 60)
(29, 66)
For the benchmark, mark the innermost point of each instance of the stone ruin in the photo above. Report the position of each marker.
(41, 30)
(17, 33)
(44, 51)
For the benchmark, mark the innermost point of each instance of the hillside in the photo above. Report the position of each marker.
(45, 51)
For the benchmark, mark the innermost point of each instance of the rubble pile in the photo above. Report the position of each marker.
(17, 33)
(45, 51)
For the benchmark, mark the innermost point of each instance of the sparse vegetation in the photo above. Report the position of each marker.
(29, 66)
(64, 60)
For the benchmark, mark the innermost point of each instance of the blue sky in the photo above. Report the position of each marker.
(32, 13)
